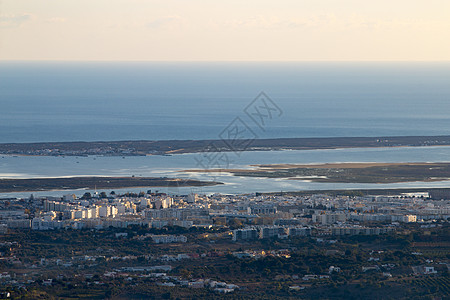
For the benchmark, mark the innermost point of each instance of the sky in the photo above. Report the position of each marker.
(228, 30)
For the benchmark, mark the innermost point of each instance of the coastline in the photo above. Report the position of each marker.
(359, 192)
(172, 147)
(91, 182)
(374, 173)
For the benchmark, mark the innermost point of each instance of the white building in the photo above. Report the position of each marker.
(326, 219)
(165, 239)
(409, 218)
(245, 234)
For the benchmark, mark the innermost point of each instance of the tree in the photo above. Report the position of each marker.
(235, 223)
(87, 196)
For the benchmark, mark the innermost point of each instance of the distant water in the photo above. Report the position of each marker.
(56, 101)
(172, 166)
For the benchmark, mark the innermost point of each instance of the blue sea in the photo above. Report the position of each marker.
(92, 101)
(103, 101)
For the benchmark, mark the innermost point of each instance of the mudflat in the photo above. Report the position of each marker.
(347, 172)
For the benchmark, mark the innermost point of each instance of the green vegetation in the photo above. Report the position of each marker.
(71, 183)
(266, 276)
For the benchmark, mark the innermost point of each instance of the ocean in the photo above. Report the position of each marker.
(104, 101)
(98, 101)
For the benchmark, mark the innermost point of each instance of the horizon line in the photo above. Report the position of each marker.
(217, 61)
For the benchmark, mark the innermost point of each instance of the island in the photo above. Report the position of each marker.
(169, 147)
(72, 183)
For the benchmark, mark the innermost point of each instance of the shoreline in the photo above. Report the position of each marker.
(373, 173)
(360, 192)
(173, 147)
(91, 182)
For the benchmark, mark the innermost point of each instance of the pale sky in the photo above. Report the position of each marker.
(228, 30)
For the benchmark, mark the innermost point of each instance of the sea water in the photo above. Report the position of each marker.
(103, 101)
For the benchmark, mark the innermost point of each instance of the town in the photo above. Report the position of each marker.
(212, 245)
